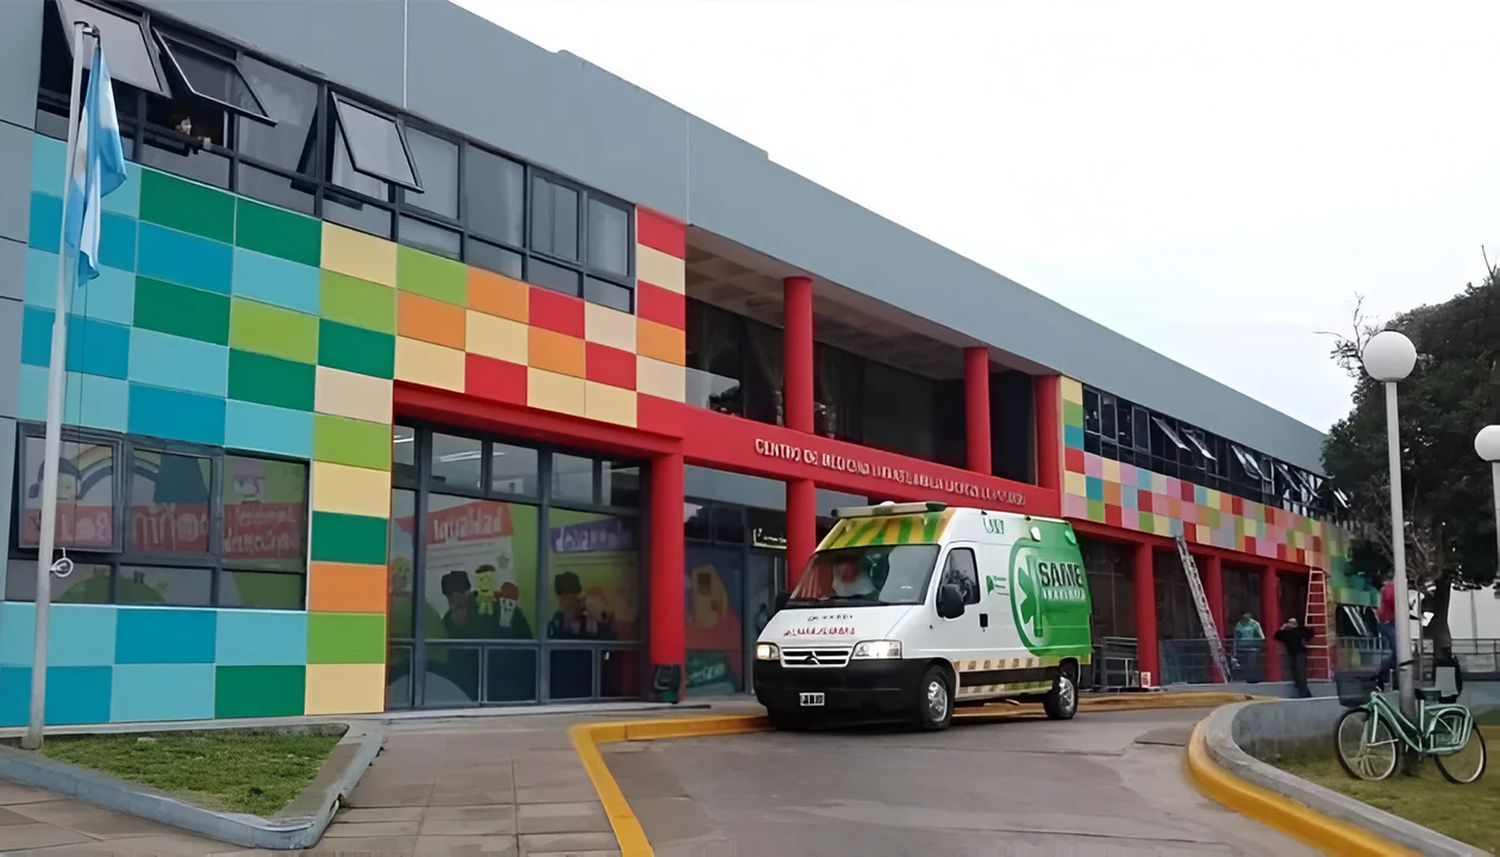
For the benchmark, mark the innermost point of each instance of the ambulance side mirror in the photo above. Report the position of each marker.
(950, 601)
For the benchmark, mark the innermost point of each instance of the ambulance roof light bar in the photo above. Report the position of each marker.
(887, 508)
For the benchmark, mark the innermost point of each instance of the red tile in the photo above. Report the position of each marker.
(1112, 515)
(1249, 545)
(1317, 544)
(659, 415)
(1073, 459)
(1301, 556)
(1187, 491)
(1143, 500)
(1236, 506)
(1281, 551)
(609, 365)
(660, 232)
(556, 312)
(494, 379)
(660, 305)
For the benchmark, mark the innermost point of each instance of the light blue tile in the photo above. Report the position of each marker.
(41, 278)
(177, 257)
(49, 162)
(89, 400)
(16, 633)
(176, 415)
(165, 635)
(108, 297)
(262, 637)
(264, 428)
(162, 692)
(80, 635)
(177, 363)
(275, 281)
(126, 199)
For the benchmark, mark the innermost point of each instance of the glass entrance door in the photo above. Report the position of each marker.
(765, 575)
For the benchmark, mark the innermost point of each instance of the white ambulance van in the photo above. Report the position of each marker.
(914, 608)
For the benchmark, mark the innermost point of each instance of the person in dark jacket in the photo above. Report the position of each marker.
(1295, 638)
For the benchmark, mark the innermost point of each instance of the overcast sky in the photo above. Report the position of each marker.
(1215, 182)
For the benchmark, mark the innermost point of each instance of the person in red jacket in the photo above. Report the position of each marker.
(1385, 614)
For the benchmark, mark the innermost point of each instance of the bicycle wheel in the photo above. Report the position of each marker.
(1466, 764)
(1367, 748)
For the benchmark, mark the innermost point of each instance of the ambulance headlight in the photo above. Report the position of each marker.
(767, 652)
(877, 650)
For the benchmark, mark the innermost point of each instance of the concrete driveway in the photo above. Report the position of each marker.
(1105, 783)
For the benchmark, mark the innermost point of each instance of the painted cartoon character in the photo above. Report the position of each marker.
(511, 623)
(484, 590)
(598, 620)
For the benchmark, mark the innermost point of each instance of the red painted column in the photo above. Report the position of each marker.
(977, 408)
(667, 639)
(797, 371)
(1213, 588)
(1144, 580)
(1270, 612)
(801, 527)
(1048, 390)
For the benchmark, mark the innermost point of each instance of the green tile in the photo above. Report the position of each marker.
(181, 311)
(355, 349)
(271, 380)
(1072, 414)
(337, 537)
(265, 329)
(1096, 510)
(1147, 523)
(260, 691)
(345, 638)
(276, 232)
(357, 302)
(433, 276)
(190, 207)
(354, 442)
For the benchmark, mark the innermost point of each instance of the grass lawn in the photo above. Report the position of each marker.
(1467, 813)
(257, 772)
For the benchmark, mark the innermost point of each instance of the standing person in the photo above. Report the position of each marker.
(1249, 642)
(1295, 637)
(1385, 614)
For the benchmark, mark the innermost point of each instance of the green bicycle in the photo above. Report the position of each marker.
(1373, 734)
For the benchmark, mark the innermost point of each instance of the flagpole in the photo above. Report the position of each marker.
(52, 448)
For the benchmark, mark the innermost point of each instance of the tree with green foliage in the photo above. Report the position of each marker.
(1452, 393)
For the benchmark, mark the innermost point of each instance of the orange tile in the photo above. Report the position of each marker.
(556, 352)
(423, 318)
(499, 295)
(661, 342)
(343, 587)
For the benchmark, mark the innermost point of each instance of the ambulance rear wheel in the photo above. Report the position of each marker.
(935, 700)
(1061, 703)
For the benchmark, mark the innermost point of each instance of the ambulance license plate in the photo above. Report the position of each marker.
(811, 700)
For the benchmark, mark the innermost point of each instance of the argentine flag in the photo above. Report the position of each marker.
(98, 167)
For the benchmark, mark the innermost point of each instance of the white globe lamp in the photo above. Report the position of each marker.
(1389, 356)
(1487, 443)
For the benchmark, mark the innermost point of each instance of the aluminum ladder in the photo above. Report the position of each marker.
(1205, 615)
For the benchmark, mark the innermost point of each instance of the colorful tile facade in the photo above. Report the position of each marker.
(224, 321)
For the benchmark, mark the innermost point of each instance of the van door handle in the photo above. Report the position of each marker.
(984, 620)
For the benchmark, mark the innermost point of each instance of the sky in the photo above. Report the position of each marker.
(1217, 182)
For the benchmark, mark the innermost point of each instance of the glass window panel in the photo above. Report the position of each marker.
(357, 215)
(620, 674)
(609, 237)
(262, 590)
(498, 259)
(554, 277)
(479, 569)
(131, 53)
(1107, 427)
(168, 505)
(621, 485)
(594, 563)
(715, 358)
(398, 683)
(452, 675)
(431, 237)
(174, 155)
(762, 384)
(697, 522)
(187, 587)
(554, 219)
(607, 294)
(494, 196)
(211, 76)
(572, 478)
(88, 584)
(767, 528)
(455, 461)
(437, 165)
(729, 525)
(570, 673)
(513, 470)
(401, 567)
(404, 455)
(265, 514)
(714, 615)
(342, 172)
(510, 675)
(277, 190)
(85, 495)
(900, 411)
(376, 144)
(292, 102)
(1091, 411)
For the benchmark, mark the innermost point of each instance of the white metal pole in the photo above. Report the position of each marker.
(1398, 556)
(1495, 479)
(52, 447)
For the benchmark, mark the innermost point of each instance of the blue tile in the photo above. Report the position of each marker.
(1094, 487)
(177, 257)
(176, 415)
(248, 425)
(162, 692)
(262, 637)
(74, 695)
(1073, 437)
(164, 635)
(49, 164)
(36, 336)
(15, 694)
(174, 362)
(89, 400)
(94, 346)
(117, 241)
(46, 221)
(276, 281)
(1143, 478)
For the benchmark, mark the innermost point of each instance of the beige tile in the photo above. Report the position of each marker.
(579, 817)
(609, 404)
(350, 394)
(661, 379)
(345, 689)
(500, 338)
(660, 269)
(432, 365)
(551, 391)
(350, 490)
(359, 255)
(609, 327)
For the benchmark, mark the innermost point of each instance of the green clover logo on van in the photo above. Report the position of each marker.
(1029, 600)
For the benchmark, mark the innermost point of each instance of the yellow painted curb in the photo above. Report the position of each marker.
(1329, 835)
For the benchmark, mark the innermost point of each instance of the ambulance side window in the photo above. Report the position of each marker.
(962, 571)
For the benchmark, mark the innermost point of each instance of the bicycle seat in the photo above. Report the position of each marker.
(1429, 694)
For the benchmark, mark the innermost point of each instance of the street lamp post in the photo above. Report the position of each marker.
(1388, 358)
(1487, 444)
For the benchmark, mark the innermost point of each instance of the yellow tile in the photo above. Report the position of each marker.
(345, 688)
(350, 394)
(1211, 499)
(609, 404)
(1111, 470)
(433, 365)
(551, 391)
(1075, 484)
(500, 338)
(351, 490)
(663, 380)
(1072, 390)
(660, 269)
(359, 255)
(609, 327)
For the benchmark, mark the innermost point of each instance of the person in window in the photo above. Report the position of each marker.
(1295, 638)
(850, 579)
(569, 620)
(461, 619)
(183, 124)
(1249, 642)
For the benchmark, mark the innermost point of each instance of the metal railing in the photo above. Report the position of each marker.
(1189, 661)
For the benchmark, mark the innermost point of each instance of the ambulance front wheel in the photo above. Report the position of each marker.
(935, 700)
(1061, 703)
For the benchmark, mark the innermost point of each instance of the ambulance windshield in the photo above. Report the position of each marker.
(866, 576)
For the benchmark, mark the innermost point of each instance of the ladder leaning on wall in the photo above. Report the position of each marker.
(1205, 615)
